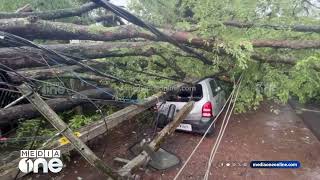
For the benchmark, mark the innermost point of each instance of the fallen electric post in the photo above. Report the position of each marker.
(91, 131)
(63, 128)
(154, 145)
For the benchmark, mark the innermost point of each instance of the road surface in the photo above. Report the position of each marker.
(273, 132)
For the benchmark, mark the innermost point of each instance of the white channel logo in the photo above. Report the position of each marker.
(32, 160)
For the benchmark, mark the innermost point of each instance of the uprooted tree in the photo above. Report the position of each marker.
(272, 45)
(275, 44)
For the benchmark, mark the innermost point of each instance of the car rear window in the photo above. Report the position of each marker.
(187, 93)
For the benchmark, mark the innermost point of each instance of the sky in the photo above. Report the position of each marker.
(120, 2)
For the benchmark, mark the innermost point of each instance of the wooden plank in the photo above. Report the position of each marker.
(154, 145)
(62, 127)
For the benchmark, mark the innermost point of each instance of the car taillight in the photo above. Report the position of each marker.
(207, 110)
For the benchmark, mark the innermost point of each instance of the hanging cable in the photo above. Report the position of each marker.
(122, 66)
(135, 20)
(56, 56)
(222, 130)
(202, 138)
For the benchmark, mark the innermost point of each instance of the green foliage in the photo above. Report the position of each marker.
(28, 129)
(306, 79)
(165, 8)
(38, 5)
(261, 80)
(78, 121)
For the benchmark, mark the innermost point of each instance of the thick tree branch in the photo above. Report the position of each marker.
(53, 72)
(290, 44)
(84, 76)
(27, 111)
(26, 57)
(41, 29)
(298, 28)
(53, 14)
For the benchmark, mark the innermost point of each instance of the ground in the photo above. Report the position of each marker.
(273, 132)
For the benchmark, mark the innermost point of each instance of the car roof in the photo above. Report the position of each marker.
(206, 78)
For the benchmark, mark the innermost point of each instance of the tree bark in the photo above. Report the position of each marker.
(41, 74)
(27, 111)
(298, 27)
(53, 14)
(41, 29)
(290, 44)
(27, 57)
(32, 28)
(53, 72)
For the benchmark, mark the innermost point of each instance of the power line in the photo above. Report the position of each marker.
(222, 130)
(122, 66)
(17, 40)
(135, 20)
(204, 135)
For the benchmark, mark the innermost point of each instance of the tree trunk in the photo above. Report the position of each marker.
(292, 44)
(297, 28)
(53, 72)
(41, 74)
(41, 29)
(53, 14)
(27, 111)
(27, 57)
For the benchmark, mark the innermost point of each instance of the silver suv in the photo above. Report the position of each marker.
(209, 98)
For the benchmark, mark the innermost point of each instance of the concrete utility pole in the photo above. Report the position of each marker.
(63, 128)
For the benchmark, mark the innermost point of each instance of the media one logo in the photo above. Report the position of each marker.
(32, 160)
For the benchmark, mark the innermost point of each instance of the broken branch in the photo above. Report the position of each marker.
(27, 111)
(41, 29)
(298, 28)
(53, 14)
(27, 57)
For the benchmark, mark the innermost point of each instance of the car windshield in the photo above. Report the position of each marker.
(187, 93)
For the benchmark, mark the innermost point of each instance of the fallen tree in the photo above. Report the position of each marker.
(34, 28)
(27, 57)
(27, 111)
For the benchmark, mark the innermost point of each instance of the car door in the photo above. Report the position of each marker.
(222, 93)
(216, 91)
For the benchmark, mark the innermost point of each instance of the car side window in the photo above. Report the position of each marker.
(214, 87)
(223, 86)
